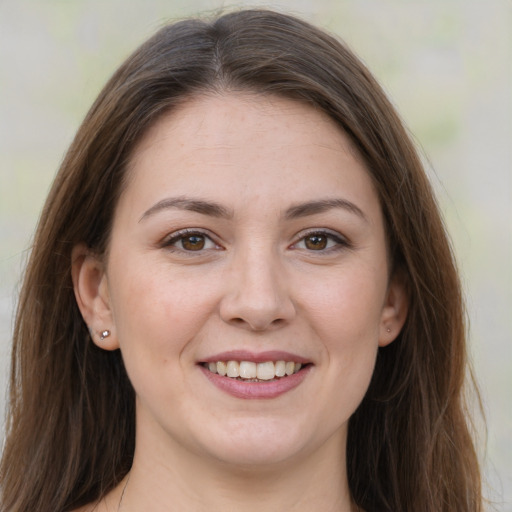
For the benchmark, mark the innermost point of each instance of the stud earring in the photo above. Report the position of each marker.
(388, 330)
(104, 334)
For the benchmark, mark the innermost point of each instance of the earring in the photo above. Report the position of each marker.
(388, 330)
(104, 334)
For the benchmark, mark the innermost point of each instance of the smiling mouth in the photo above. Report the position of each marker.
(248, 371)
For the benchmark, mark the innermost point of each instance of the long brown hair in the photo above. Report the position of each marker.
(70, 431)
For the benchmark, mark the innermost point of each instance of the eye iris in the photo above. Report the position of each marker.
(193, 242)
(316, 242)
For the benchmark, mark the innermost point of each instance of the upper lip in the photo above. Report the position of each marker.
(255, 357)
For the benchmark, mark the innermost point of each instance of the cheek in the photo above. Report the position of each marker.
(155, 319)
(348, 306)
(345, 313)
(156, 315)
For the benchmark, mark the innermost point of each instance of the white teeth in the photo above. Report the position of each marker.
(233, 369)
(250, 370)
(266, 371)
(221, 368)
(280, 369)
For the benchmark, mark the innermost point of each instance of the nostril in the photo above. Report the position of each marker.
(257, 324)
(250, 308)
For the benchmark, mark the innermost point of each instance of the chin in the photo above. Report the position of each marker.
(257, 443)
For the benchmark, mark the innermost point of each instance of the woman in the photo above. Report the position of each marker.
(241, 293)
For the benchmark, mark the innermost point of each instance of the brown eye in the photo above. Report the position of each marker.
(316, 242)
(188, 241)
(193, 242)
(323, 242)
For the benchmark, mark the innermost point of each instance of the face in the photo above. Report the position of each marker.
(249, 240)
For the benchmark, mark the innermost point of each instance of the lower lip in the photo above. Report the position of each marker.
(256, 390)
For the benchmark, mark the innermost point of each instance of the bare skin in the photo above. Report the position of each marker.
(248, 225)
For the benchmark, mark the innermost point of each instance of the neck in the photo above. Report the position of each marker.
(162, 480)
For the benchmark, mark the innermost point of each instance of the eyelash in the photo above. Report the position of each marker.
(337, 241)
(182, 235)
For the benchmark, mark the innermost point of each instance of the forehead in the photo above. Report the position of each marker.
(246, 146)
(211, 120)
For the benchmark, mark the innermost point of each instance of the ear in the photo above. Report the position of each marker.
(394, 312)
(90, 284)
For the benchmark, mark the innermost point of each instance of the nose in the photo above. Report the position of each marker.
(258, 295)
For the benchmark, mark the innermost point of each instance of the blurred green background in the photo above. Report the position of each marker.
(446, 64)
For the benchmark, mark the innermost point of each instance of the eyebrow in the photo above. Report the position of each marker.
(214, 209)
(323, 205)
(193, 205)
